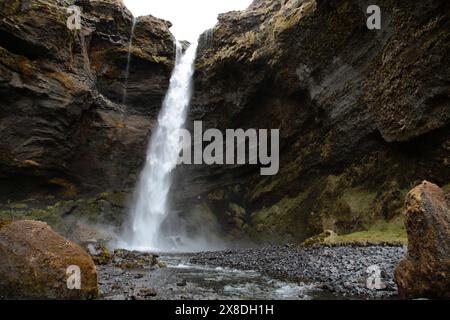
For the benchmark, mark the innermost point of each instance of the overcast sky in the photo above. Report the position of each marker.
(189, 17)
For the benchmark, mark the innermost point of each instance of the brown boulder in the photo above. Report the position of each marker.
(425, 271)
(34, 261)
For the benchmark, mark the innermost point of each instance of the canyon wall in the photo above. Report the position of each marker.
(64, 129)
(363, 114)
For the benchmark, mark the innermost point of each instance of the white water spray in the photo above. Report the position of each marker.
(150, 206)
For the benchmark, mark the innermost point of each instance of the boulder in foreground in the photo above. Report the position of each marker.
(34, 262)
(425, 271)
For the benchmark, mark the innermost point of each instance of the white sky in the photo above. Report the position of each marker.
(189, 17)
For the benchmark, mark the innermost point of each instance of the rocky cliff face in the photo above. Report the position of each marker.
(363, 114)
(65, 126)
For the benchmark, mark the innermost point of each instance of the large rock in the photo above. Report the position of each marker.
(425, 272)
(34, 261)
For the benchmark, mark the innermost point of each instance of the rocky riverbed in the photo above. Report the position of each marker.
(340, 269)
(279, 272)
(182, 280)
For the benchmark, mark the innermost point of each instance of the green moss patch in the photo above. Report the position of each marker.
(107, 208)
(381, 232)
(282, 222)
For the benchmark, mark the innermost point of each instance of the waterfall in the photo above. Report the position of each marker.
(127, 70)
(151, 202)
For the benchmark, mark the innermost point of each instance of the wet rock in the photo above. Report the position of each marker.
(133, 259)
(34, 261)
(84, 233)
(147, 292)
(330, 267)
(425, 271)
(127, 275)
(99, 252)
(182, 283)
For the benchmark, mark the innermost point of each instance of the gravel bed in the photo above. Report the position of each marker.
(340, 269)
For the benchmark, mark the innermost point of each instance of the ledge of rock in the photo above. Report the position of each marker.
(34, 261)
(425, 272)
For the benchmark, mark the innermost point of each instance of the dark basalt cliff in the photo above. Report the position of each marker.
(63, 126)
(363, 114)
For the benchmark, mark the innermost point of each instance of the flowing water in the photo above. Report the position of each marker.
(127, 70)
(182, 279)
(209, 282)
(150, 206)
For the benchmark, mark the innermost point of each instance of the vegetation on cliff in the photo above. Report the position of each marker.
(363, 114)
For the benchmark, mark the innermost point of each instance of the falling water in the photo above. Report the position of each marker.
(127, 70)
(150, 207)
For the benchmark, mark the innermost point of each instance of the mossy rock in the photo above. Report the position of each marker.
(380, 233)
(18, 206)
(320, 238)
(237, 211)
(282, 222)
(107, 208)
(118, 199)
(103, 257)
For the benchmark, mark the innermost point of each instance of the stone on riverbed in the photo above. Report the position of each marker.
(425, 272)
(34, 262)
(134, 260)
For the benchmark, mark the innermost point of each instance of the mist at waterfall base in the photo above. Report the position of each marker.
(152, 225)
